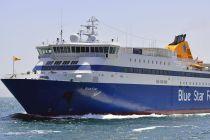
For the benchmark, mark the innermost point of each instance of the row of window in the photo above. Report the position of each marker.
(161, 81)
(44, 51)
(150, 61)
(49, 63)
(165, 72)
(78, 49)
(194, 83)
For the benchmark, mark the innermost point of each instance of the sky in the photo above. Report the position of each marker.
(26, 24)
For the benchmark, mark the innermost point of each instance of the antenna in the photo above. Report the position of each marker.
(126, 39)
(61, 32)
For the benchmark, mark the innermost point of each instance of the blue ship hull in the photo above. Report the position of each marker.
(45, 97)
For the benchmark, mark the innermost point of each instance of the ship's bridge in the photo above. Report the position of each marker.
(79, 50)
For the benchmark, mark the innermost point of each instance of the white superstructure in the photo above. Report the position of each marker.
(90, 60)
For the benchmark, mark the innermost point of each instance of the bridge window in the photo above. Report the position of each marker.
(111, 50)
(55, 49)
(69, 49)
(65, 50)
(87, 49)
(82, 49)
(92, 49)
(73, 49)
(58, 49)
(44, 51)
(77, 49)
(106, 49)
(62, 49)
(101, 49)
(96, 49)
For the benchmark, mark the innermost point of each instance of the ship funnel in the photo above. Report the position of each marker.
(180, 47)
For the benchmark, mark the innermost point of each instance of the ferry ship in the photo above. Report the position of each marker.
(89, 76)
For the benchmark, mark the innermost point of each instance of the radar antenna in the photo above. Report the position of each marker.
(90, 31)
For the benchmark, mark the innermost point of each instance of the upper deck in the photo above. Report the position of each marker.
(178, 51)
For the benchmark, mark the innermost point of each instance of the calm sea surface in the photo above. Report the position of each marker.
(15, 124)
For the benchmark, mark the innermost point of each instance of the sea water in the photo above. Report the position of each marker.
(16, 124)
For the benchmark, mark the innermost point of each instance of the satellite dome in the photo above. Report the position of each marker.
(74, 38)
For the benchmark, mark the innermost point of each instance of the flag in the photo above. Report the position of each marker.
(16, 58)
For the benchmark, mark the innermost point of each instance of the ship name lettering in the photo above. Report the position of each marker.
(198, 96)
(208, 95)
(90, 89)
(183, 96)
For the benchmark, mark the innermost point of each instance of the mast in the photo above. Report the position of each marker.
(90, 31)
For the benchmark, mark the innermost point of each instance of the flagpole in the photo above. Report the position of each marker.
(13, 66)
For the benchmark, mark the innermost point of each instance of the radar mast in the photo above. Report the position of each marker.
(90, 29)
